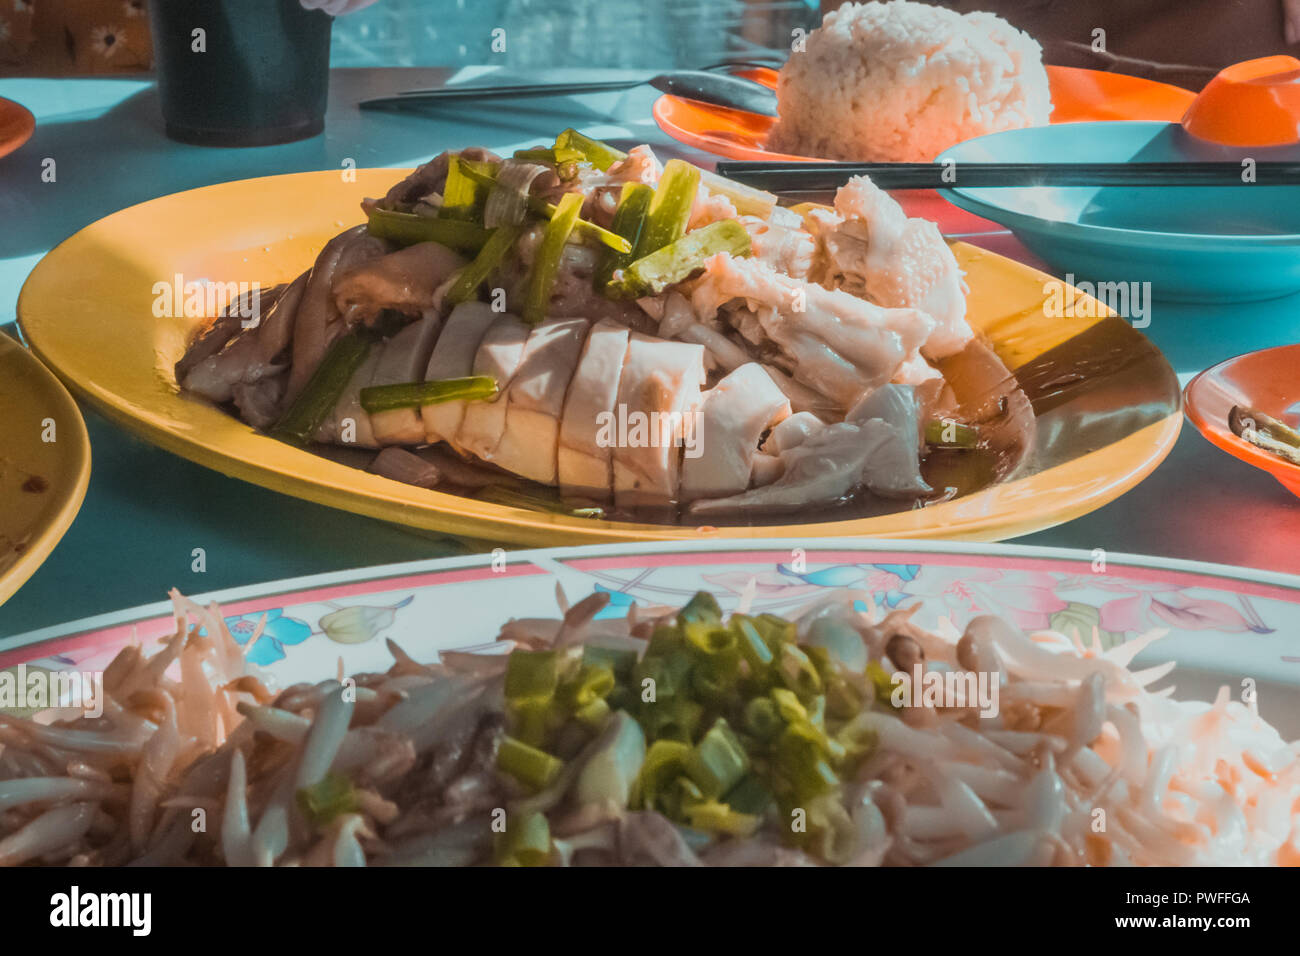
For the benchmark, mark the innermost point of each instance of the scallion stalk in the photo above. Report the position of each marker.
(472, 388)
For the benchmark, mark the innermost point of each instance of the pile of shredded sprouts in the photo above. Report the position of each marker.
(195, 760)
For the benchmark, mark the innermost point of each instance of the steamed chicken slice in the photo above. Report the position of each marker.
(872, 249)
(894, 471)
(660, 386)
(839, 344)
(498, 356)
(318, 324)
(453, 357)
(403, 358)
(408, 280)
(535, 401)
(821, 470)
(584, 466)
(733, 417)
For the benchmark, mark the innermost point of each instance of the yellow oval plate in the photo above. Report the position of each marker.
(44, 464)
(88, 311)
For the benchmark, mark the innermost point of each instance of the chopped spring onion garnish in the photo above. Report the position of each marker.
(546, 264)
(747, 200)
(655, 272)
(472, 388)
(300, 422)
(629, 220)
(328, 799)
(487, 261)
(540, 207)
(532, 767)
(945, 433)
(525, 842)
(552, 157)
(670, 209)
(507, 203)
(600, 155)
(462, 197)
(407, 229)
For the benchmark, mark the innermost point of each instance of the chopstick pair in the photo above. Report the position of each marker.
(790, 178)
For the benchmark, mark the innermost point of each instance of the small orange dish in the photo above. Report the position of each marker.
(16, 125)
(1266, 380)
(1255, 103)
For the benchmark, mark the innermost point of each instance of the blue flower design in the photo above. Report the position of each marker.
(619, 602)
(279, 631)
(839, 576)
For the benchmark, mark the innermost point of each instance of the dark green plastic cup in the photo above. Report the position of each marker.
(241, 72)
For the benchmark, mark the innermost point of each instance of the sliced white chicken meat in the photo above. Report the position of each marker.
(872, 249)
(535, 400)
(404, 358)
(894, 471)
(821, 470)
(839, 344)
(658, 396)
(348, 423)
(733, 417)
(792, 432)
(453, 357)
(584, 466)
(498, 356)
(408, 280)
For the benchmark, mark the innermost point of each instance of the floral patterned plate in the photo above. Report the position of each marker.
(1226, 625)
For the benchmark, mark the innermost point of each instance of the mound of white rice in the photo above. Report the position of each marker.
(901, 82)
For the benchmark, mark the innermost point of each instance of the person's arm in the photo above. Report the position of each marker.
(1291, 18)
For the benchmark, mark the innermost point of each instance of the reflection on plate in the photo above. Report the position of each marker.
(44, 464)
(1106, 400)
(1077, 95)
(16, 125)
(1264, 380)
(1224, 623)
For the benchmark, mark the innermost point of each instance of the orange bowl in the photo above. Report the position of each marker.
(1255, 103)
(1264, 380)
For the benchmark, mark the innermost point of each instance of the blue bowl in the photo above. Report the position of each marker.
(1192, 243)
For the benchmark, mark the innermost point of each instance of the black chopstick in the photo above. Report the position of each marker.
(414, 97)
(821, 177)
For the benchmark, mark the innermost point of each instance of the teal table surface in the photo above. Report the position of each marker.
(147, 510)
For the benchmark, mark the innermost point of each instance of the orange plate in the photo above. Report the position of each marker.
(1078, 95)
(16, 125)
(1265, 380)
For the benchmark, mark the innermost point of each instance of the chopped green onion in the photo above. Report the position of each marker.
(407, 229)
(539, 206)
(601, 155)
(702, 608)
(747, 200)
(882, 681)
(321, 393)
(525, 842)
(762, 719)
(653, 273)
(546, 265)
(801, 756)
(798, 671)
(715, 817)
(752, 646)
(665, 762)
(629, 220)
(329, 798)
(750, 796)
(593, 682)
(941, 433)
(553, 156)
(473, 388)
(532, 675)
(487, 261)
(670, 209)
(462, 197)
(676, 718)
(532, 767)
(619, 660)
(719, 760)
